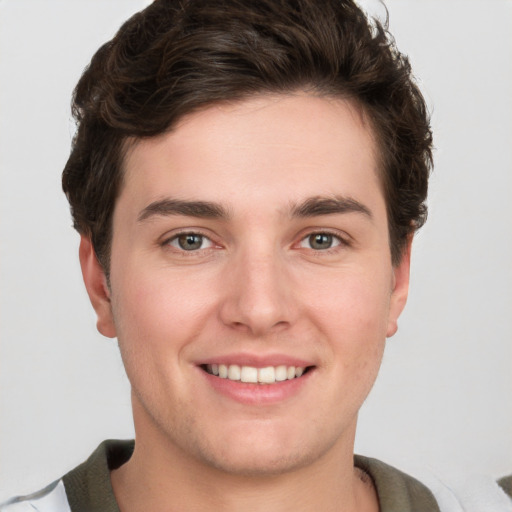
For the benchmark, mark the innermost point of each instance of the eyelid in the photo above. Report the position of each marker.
(344, 239)
(204, 241)
(165, 240)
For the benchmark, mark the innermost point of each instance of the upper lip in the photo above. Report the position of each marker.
(257, 360)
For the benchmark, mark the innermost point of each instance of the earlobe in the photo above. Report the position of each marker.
(97, 288)
(400, 290)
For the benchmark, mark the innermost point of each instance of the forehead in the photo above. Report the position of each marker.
(282, 146)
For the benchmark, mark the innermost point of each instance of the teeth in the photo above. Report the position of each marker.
(281, 373)
(223, 371)
(249, 374)
(267, 375)
(234, 372)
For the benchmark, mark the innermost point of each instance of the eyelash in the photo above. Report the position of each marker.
(184, 252)
(338, 240)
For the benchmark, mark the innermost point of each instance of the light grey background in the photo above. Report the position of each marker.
(443, 399)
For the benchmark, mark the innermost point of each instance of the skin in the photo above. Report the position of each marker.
(257, 286)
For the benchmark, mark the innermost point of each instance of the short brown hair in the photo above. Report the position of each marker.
(177, 56)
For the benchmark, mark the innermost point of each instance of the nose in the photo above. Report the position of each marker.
(258, 295)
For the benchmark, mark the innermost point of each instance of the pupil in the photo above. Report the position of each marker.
(190, 242)
(320, 241)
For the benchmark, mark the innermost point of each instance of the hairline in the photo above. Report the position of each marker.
(129, 142)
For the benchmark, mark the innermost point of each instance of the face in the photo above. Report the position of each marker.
(251, 241)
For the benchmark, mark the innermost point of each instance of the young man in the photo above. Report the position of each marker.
(246, 179)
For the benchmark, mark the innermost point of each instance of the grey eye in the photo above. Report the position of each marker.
(189, 241)
(320, 241)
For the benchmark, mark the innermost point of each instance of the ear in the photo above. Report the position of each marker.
(97, 288)
(400, 289)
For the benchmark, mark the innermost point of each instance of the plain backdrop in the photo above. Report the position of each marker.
(443, 400)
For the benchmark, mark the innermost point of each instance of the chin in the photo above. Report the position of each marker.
(259, 453)
(257, 462)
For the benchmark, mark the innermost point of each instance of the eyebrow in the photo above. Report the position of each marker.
(315, 206)
(311, 207)
(199, 209)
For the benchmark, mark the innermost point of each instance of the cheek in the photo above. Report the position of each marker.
(353, 304)
(155, 321)
(352, 314)
(159, 310)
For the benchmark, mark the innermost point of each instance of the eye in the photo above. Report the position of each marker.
(190, 242)
(320, 241)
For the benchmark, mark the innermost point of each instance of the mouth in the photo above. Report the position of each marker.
(254, 375)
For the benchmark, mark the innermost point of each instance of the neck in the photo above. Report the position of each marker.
(159, 476)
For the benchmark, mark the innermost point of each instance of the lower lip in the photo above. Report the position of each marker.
(257, 394)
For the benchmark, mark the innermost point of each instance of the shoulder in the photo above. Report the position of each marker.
(50, 499)
(466, 493)
(85, 488)
(506, 484)
(88, 486)
(470, 492)
(397, 490)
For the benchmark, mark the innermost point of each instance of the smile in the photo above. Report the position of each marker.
(251, 374)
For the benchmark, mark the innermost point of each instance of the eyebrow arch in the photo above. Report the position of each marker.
(315, 206)
(200, 209)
